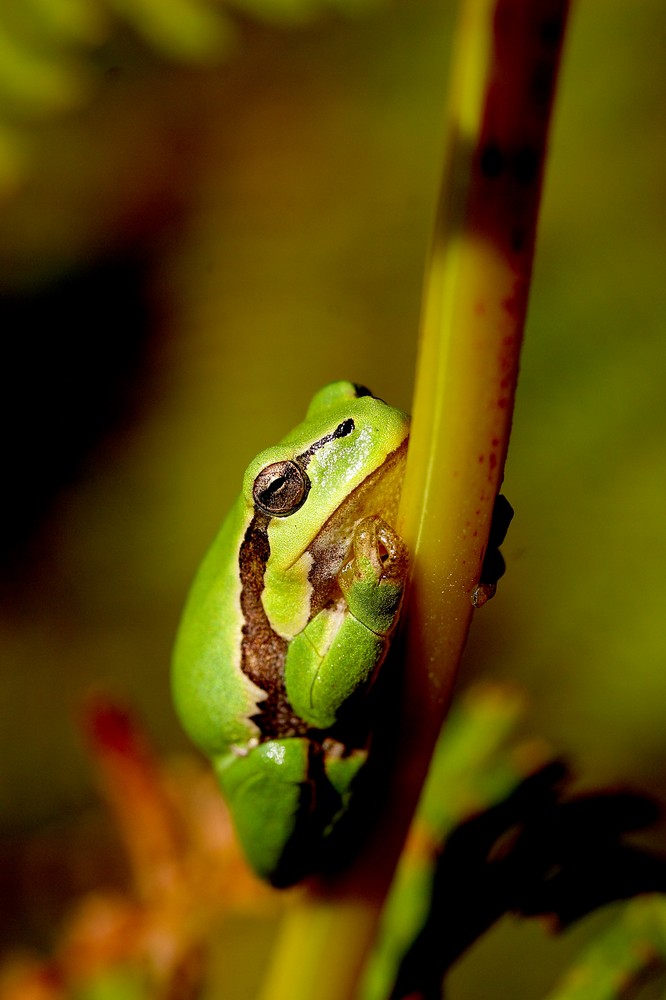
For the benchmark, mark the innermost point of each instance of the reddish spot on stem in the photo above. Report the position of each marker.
(502, 402)
(481, 458)
(479, 308)
(514, 306)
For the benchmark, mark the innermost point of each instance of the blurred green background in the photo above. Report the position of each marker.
(200, 227)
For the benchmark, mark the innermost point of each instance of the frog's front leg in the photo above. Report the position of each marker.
(339, 651)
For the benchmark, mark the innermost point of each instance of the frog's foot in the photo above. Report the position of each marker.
(493, 562)
(373, 579)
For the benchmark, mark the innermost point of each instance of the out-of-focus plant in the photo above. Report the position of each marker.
(492, 834)
(475, 765)
(622, 957)
(186, 874)
(48, 51)
(496, 831)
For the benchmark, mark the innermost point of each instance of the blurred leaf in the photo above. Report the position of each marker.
(535, 853)
(35, 81)
(188, 30)
(47, 47)
(59, 22)
(620, 958)
(293, 11)
(474, 767)
(116, 984)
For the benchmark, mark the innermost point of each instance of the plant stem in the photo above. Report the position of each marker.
(505, 67)
(475, 304)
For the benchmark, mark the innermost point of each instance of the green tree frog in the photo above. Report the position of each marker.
(288, 621)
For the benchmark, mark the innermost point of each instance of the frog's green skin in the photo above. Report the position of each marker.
(288, 620)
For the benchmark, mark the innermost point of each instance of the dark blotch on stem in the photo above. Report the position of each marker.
(492, 161)
(526, 165)
(541, 85)
(550, 30)
(518, 239)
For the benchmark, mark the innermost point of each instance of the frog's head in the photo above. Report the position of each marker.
(347, 436)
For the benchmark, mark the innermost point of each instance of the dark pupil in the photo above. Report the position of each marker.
(271, 492)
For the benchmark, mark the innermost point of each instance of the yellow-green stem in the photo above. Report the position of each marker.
(505, 66)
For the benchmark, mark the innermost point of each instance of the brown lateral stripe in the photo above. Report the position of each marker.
(263, 651)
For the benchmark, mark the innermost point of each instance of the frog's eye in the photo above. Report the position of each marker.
(280, 489)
